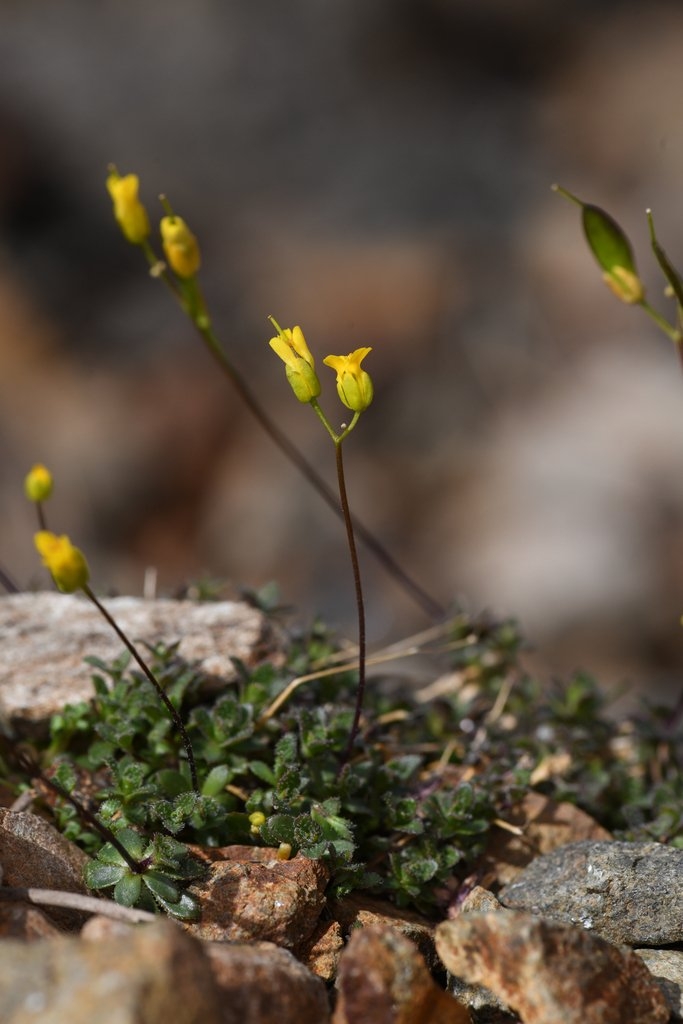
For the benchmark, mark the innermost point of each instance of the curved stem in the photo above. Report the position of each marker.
(173, 712)
(348, 522)
(190, 299)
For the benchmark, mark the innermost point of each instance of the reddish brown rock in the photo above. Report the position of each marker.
(359, 911)
(551, 973)
(273, 900)
(35, 855)
(322, 951)
(383, 979)
(260, 983)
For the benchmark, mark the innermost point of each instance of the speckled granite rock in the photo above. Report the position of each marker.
(626, 892)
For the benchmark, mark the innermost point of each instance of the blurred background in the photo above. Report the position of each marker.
(378, 172)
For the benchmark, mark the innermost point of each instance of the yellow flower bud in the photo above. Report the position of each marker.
(256, 819)
(290, 345)
(65, 562)
(128, 210)
(354, 385)
(38, 483)
(180, 246)
(284, 851)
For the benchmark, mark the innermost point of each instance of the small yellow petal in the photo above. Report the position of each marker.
(128, 210)
(65, 562)
(180, 247)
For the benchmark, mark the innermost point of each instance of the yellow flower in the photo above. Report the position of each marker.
(66, 563)
(38, 483)
(180, 246)
(354, 385)
(290, 345)
(128, 210)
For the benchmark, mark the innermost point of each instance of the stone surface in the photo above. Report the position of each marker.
(666, 966)
(154, 975)
(480, 901)
(477, 997)
(383, 979)
(272, 900)
(546, 825)
(34, 854)
(46, 636)
(551, 973)
(19, 921)
(626, 892)
(321, 952)
(260, 983)
(359, 911)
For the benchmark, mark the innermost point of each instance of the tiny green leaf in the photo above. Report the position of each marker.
(127, 890)
(101, 876)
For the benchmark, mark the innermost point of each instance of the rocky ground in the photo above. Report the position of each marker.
(573, 927)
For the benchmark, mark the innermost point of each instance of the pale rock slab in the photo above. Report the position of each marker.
(46, 636)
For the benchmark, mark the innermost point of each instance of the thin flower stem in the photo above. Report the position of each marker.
(28, 765)
(173, 712)
(348, 522)
(8, 583)
(671, 332)
(193, 306)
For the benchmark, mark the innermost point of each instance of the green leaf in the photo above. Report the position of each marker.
(127, 890)
(185, 909)
(216, 780)
(262, 771)
(279, 828)
(100, 876)
(161, 886)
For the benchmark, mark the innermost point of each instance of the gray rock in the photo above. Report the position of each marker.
(46, 636)
(666, 966)
(626, 892)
